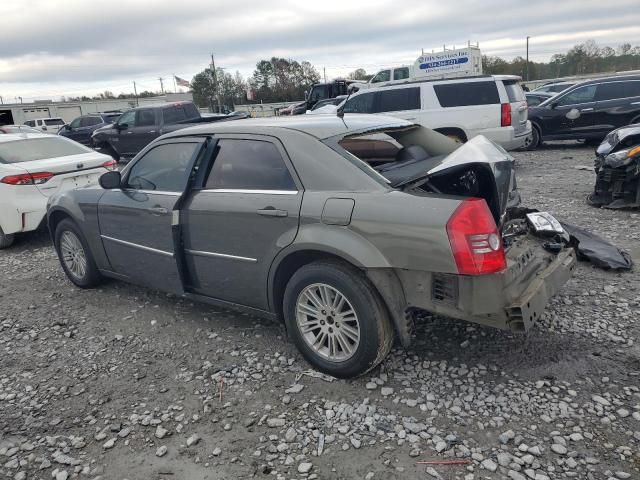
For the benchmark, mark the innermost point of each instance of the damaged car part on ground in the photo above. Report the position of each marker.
(617, 168)
(343, 229)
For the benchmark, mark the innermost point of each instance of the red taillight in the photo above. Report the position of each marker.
(505, 115)
(475, 240)
(110, 165)
(27, 178)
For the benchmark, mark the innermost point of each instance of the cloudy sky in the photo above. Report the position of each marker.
(50, 48)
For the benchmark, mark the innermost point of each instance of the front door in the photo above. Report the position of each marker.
(246, 212)
(139, 223)
(618, 103)
(575, 115)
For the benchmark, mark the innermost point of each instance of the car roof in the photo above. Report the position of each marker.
(11, 137)
(318, 126)
(161, 105)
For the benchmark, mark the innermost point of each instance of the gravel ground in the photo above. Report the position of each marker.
(127, 383)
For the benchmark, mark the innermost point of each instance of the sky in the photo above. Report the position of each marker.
(54, 48)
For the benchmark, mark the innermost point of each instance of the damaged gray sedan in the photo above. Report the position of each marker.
(341, 227)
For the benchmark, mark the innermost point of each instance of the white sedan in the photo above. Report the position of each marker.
(33, 167)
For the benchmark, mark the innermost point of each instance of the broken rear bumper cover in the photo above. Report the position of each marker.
(513, 299)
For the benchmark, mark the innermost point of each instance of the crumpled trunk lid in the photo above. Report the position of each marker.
(478, 168)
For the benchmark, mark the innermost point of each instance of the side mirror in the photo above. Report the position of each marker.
(306, 95)
(553, 105)
(67, 127)
(110, 180)
(122, 126)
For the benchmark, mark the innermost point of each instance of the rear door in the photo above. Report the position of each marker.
(246, 212)
(139, 223)
(518, 102)
(617, 104)
(402, 102)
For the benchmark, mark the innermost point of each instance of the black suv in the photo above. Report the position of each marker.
(587, 111)
(81, 128)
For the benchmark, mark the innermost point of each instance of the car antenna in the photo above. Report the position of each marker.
(340, 111)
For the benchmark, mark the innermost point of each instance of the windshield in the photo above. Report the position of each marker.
(53, 121)
(31, 149)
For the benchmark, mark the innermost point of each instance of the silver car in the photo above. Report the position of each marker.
(344, 228)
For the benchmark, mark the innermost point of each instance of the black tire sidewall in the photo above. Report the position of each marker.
(92, 275)
(535, 139)
(366, 303)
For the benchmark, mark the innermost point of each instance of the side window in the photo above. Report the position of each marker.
(467, 93)
(163, 168)
(514, 91)
(76, 122)
(401, 73)
(362, 103)
(584, 94)
(249, 165)
(30, 123)
(145, 118)
(383, 76)
(532, 101)
(613, 90)
(89, 121)
(399, 99)
(127, 118)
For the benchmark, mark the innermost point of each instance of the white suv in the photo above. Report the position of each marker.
(46, 125)
(494, 106)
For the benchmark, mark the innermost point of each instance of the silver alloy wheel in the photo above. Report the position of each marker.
(73, 254)
(327, 322)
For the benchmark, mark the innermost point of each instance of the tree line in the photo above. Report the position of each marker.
(584, 58)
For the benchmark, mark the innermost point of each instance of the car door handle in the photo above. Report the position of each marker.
(272, 212)
(587, 110)
(157, 211)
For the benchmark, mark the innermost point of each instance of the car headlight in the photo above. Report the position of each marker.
(622, 158)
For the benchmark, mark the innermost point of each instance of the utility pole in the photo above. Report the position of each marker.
(175, 88)
(20, 99)
(135, 91)
(1, 100)
(161, 84)
(215, 83)
(324, 73)
(527, 74)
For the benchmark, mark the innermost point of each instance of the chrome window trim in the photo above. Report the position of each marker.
(258, 192)
(135, 245)
(201, 253)
(157, 192)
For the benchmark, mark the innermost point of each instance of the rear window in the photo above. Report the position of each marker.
(178, 113)
(53, 121)
(398, 99)
(38, 148)
(467, 93)
(514, 92)
(111, 118)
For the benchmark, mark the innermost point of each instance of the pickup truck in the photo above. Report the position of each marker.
(137, 127)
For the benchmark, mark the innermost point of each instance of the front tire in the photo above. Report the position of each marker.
(337, 319)
(74, 255)
(5, 240)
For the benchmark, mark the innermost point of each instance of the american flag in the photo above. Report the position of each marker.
(181, 82)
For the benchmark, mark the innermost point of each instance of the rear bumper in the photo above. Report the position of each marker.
(507, 137)
(513, 299)
(23, 216)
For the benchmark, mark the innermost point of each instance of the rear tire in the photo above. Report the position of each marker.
(5, 240)
(534, 141)
(75, 256)
(337, 319)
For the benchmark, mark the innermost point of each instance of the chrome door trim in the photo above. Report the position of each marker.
(135, 245)
(257, 192)
(201, 253)
(156, 192)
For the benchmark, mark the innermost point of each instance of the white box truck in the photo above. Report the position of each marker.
(450, 63)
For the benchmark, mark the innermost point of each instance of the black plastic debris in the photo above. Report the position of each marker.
(597, 250)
